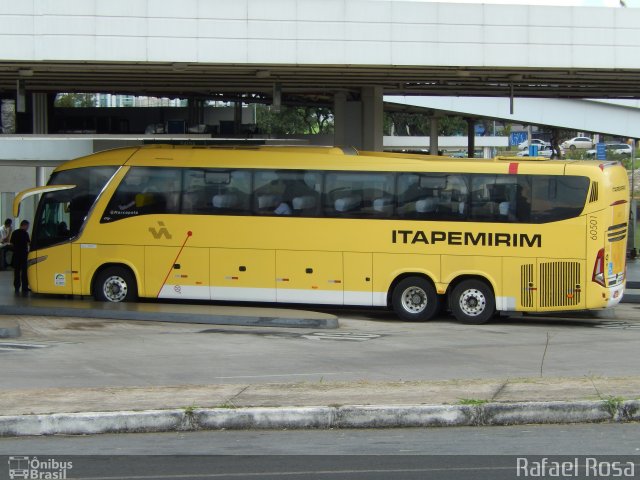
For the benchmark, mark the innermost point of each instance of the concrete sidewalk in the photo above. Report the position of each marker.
(319, 405)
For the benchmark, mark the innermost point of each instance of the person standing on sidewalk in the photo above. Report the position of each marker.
(5, 248)
(20, 241)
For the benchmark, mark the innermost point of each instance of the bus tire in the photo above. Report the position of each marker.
(115, 284)
(472, 302)
(414, 299)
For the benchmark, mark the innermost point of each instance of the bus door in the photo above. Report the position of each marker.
(54, 227)
(309, 277)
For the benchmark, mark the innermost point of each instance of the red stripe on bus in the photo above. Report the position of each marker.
(513, 168)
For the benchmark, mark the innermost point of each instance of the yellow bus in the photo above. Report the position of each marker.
(334, 226)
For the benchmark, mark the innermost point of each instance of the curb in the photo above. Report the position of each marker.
(118, 312)
(354, 416)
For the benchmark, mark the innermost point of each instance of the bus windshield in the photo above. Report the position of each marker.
(60, 214)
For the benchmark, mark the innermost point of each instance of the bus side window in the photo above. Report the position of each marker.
(233, 198)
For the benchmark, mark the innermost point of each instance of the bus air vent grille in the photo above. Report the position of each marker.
(559, 284)
(617, 233)
(526, 282)
(593, 197)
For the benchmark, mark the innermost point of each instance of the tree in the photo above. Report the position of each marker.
(294, 120)
(75, 100)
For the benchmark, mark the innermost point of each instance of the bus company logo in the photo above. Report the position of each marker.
(160, 232)
(482, 239)
(34, 468)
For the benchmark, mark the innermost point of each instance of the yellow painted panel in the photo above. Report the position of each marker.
(243, 268)
(309, 270)
(93, 256)
(521, 291)
(489, 268)
(358, 272)
(388, 266)
(172, 266)
(53, 275)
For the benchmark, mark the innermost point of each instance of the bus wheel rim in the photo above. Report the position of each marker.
(414, 299)
(115, 289)
(473, 302)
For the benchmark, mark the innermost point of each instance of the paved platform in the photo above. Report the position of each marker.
(215, 314)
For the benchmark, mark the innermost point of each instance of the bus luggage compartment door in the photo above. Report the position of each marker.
(169, 275)
(309, 277)
(520, 290)
(243, 274)
(358, 279)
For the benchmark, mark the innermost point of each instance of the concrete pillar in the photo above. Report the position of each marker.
(433, 137)
(372, 118)
(40, 113)
(237, 117)
(471, 137)
(41, 176)
(340, 118)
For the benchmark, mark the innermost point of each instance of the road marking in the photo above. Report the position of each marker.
(348, 336)
(621, 325)
(11, 347)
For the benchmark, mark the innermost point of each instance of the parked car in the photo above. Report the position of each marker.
(612, 149)
(542, 152)
(535, 141)
(577, 142)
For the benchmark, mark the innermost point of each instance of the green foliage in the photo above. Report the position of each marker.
(418, 124)
(294, 120)
(471, 401)
(406, 124)
(450, 126)
(75, 100)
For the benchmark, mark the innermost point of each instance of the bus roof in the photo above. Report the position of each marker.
(315, 158)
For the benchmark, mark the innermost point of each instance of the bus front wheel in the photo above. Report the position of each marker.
(415, 299)
(472, 302)
(115, 284)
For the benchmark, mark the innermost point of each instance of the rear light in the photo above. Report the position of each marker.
(598, 268)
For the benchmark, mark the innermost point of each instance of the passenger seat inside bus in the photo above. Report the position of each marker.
(348, 204)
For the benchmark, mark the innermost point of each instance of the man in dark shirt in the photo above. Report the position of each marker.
(20, 241)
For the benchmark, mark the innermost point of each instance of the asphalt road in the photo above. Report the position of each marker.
(368, 346)
(443, 453)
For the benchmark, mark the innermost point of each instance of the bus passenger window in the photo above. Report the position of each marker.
(286, 192)
(359, 195)
(230, 193)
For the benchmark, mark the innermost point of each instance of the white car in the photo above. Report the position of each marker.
(577, 142)
(543, 152)
(612, 148)
(535, 141)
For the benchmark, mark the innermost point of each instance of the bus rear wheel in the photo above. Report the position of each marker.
(115, 284)
(415, 299)
(472, 302)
